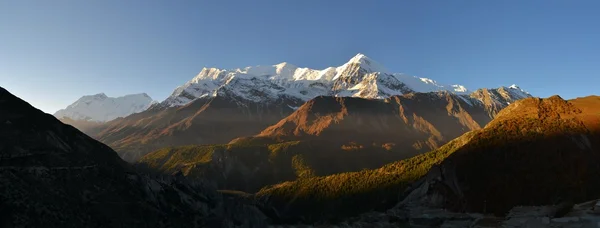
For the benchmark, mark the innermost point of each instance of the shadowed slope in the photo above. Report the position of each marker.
(249, 167)
(204, 121)
(52, 175)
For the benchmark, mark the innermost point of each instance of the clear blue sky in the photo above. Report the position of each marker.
(53, 52)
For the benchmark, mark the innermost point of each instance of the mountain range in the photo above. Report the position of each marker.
(359, 77)
(218, 105)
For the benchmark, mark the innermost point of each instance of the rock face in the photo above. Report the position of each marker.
(52, 175)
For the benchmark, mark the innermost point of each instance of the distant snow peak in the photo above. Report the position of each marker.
(517, 88)
(428, 81)
(459, 88)
(101, 108)
(359, 77)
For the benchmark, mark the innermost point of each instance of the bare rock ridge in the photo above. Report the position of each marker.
(52, 175)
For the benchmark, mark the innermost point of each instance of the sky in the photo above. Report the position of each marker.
(53, 52)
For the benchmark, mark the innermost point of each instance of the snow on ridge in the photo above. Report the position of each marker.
(460, 88)
(424, 85)
(359, 77)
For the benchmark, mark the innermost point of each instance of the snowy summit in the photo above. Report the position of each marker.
(101, 108)
(359, 77)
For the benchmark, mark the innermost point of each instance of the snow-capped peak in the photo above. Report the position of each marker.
(517, 91)
(459, 88)
(101, 108)
(359, 77)
(366, 63)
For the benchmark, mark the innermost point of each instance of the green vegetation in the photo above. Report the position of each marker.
(347, 194)
(174, 158)
(302, 170)
(248, 164)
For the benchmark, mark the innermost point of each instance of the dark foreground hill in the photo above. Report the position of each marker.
(535, 152)
(52, 175)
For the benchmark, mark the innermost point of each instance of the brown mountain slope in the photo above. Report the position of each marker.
(536, 151)
(413, 123)
(204, 121)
